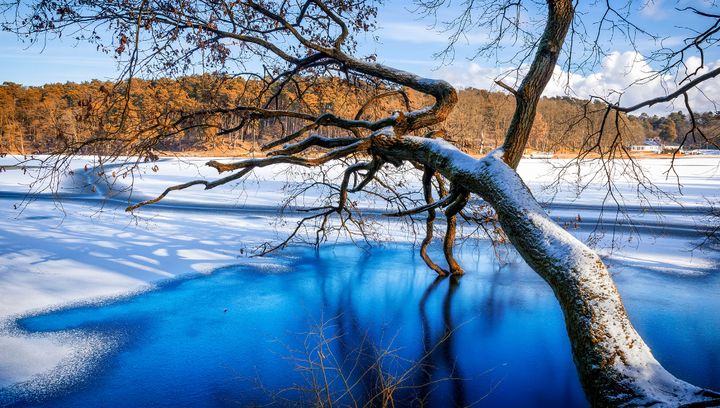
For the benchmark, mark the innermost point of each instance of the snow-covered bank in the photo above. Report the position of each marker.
(690, 182)
(49, 257)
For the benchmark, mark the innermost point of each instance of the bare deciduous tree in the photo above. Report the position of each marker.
(287, 44)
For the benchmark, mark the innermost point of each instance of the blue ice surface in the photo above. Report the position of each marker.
(247, 335)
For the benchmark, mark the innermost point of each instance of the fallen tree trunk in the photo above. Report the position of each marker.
(615, 365)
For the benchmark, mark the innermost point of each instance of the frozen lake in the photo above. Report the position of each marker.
(239, 335)
(174, 344)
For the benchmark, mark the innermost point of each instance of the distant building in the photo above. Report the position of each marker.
(650, 146)
(656, 146)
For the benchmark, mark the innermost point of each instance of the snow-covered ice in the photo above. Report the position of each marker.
(86, 247)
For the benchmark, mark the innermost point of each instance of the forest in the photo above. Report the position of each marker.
(52, 117)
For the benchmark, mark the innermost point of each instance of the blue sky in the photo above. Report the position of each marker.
(405, 42)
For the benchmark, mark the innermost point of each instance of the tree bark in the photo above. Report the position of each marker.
(560, 15)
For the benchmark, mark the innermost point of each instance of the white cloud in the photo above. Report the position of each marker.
(475, 76)
(625, 77)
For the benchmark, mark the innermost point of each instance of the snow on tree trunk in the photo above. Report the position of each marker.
(616, 367)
